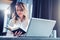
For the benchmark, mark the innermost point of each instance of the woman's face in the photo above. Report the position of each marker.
(19, 11)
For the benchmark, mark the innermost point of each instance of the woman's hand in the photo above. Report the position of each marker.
(17, 33)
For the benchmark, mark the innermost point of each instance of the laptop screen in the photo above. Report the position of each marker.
(40, 27)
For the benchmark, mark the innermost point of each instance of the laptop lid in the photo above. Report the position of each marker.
(40, 27)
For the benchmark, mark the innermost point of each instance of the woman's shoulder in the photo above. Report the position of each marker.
(28, 20)
(11, 20)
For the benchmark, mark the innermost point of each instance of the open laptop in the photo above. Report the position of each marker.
(40, 27)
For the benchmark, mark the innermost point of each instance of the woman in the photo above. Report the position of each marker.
(19, 20)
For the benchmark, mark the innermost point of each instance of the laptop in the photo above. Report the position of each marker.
(40, 27)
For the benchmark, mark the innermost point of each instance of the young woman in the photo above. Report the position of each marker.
(20, 19)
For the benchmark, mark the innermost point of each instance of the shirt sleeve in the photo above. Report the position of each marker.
(10, 24)
(25, 27)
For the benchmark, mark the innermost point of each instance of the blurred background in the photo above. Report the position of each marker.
(46, 9)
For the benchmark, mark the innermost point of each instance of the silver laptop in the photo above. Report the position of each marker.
(40, 27)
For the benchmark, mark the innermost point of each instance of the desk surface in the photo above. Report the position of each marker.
(26, 38)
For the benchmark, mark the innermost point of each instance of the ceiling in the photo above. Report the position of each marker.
(6, 1)
(4, 4)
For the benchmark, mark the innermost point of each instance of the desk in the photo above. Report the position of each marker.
(27, 38)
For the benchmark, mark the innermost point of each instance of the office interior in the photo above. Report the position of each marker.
(45, 9)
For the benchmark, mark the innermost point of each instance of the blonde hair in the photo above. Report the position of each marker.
(25, 10)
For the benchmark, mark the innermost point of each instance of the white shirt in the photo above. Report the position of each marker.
(17, 25)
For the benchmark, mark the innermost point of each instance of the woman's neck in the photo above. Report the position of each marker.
(21, 19)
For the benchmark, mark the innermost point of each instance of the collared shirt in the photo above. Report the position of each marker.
(17, 25)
